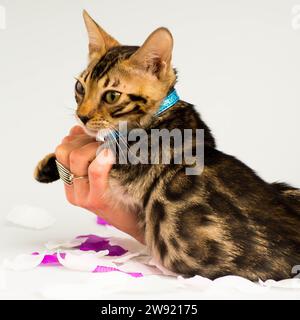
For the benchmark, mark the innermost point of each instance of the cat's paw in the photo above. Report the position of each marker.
(46, 170)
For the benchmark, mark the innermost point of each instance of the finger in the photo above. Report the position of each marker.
(63, 151)
(81, 139)
(75, 138)
(81, 191)
(67, 139)
(82, 157)
(98, 173)
(76, 130)
(69, 192)
(78, 133)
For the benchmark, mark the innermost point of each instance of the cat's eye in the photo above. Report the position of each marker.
(79, 88)
(111, 96)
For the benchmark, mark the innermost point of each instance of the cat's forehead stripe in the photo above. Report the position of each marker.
(110, 59)
(116, 83)
(106, 83)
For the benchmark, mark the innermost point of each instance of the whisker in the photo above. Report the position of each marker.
(120, 138)
(116, 141)
(127, 146)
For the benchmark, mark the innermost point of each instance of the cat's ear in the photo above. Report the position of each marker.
(156, 52)
(99, 40)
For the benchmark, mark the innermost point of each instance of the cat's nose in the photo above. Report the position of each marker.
(84, 119)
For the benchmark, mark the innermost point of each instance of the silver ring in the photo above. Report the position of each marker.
(66, 175)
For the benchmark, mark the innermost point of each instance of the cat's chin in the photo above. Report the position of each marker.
(99, 135)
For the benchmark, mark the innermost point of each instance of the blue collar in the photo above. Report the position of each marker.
(168, 102)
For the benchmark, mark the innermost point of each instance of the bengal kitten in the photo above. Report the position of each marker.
(224, 221)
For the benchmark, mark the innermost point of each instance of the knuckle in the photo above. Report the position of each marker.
(76, 130)
(67, 139)
(75, 156)
(61, 152)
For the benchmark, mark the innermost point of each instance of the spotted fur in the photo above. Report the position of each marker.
(224, 221)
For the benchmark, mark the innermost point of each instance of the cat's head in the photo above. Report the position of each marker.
(123, 83)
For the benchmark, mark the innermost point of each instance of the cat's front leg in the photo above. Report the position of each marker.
(46, 170)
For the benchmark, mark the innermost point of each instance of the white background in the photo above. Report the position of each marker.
(238, 61)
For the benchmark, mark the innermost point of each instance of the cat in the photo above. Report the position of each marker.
(224, 221)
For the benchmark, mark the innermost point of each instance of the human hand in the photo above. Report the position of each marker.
(77, 152)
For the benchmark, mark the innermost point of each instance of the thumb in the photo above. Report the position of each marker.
(105, 156)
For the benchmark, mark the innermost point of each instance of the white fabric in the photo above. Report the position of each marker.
(30, 217)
